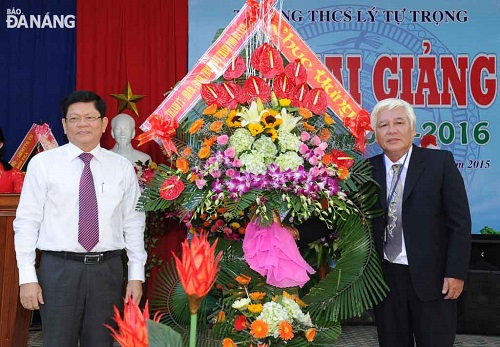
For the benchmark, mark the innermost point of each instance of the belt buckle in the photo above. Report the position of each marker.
(91, 259)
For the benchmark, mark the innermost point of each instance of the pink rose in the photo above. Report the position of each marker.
(200, 183)
(304, 136)
(316, 140)
(313, 160)
(303, 149)
(230, 152)
(222, 139)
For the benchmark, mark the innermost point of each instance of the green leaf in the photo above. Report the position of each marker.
(161, 335)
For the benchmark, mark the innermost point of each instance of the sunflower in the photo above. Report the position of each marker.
(233, 120)
(270, 118)
(255, 128)
(273, 134)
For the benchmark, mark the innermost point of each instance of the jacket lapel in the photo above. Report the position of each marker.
(415, 169)
(379, 177)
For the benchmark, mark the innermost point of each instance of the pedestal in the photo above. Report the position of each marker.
(14, 319)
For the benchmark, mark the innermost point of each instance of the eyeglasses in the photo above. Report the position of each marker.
(76, 120)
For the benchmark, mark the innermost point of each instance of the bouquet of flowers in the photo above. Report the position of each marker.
(268, 145)
(262, 156)
(260, 318)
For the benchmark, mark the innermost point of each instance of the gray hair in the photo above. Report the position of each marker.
(390, 104)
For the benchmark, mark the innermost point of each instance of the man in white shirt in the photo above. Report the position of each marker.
(78, 284)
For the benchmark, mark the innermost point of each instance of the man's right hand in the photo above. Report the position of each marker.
(30, 295)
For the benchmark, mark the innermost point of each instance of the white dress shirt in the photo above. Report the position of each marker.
(402, 258)
(47, 215)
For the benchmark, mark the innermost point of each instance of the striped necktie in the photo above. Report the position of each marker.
(88, 221)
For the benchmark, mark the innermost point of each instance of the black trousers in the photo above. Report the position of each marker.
(402, 319)
(79, 300)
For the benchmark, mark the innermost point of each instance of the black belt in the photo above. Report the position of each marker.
(87, 258)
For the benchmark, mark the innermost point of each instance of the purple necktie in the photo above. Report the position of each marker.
(88, 221)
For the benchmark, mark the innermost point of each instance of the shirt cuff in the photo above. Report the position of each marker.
(136, 272)
(27, 274)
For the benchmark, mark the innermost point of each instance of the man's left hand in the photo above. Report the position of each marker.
(134, 290)
(452, 287)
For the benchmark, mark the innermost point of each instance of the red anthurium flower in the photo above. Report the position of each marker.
(296, 72)
(235, 69)
(315, 101)
(298, 95)
(197, 269)
(283, 86)
(256, 57)
(241, 323)
(213, 93)
(255, 87)
(267, 60)
(132, 328)
(236, 95)
(147, 175)
(172, 188)
(341, 159)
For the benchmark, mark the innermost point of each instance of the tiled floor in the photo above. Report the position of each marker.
(355, 336)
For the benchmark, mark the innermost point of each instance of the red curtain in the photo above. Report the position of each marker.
(142, 42)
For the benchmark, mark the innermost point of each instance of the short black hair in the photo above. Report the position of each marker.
(83, 96)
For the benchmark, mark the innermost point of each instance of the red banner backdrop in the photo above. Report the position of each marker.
(142, 42)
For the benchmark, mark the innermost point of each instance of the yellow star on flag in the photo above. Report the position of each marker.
(127, 100)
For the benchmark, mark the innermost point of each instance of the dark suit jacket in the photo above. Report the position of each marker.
(436, 219)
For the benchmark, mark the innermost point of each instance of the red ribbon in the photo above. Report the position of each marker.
(162, 128)
(359, 125)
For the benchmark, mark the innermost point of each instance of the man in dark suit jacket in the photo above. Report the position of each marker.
(427, 275)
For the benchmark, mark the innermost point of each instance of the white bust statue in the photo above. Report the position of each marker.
(123, 131)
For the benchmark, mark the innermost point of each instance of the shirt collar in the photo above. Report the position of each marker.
(75, 151)
(388, 163)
